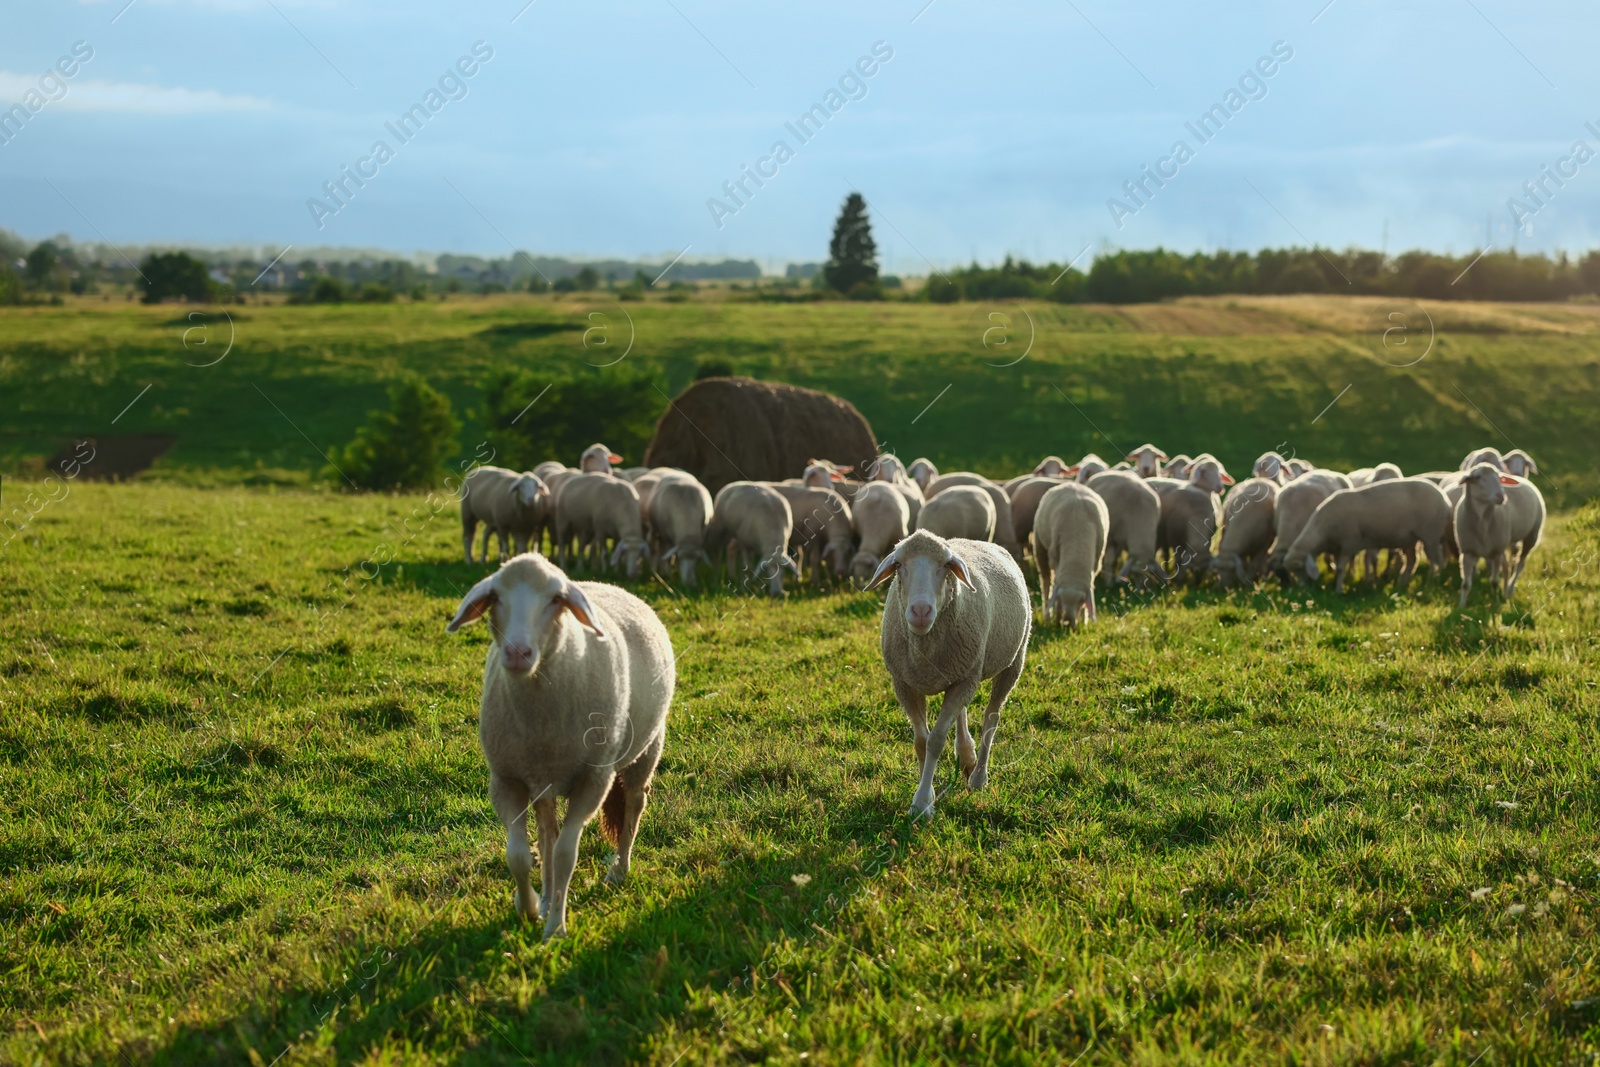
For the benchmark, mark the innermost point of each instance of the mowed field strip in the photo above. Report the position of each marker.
(242, 804)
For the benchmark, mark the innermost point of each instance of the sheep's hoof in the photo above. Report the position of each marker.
(522, 913)
(617, 874)
(921, 810)
(977, 779)
(555, 934)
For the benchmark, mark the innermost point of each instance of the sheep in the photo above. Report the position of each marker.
(753, 520)
(598, 459)
(958, 613)
(1134, 511)
(513, 506)
(1393, 514)
(1025, 504)
(1297, 467)
(576, 687)
(553, 474)
(679, 509)
(1497, 513)
(1051, 467)
(595, 508)
(1272, 466)
(922, 471)
(881, 520)
(888, 468)
(1483, 455)
(1005, 535)
(1207, 472)
(1249, 516)
(1518, 463)
(1189, 518)
(1069, 540)
(1147, 460)
(821, 535)
(1295, 505)
(645, 484)
(1087, 468)
(960, 511)
(1178, 467)
(633, 474)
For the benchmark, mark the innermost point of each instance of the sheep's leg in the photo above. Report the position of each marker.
(487, 531)
(1004, 682)
(915, 706)
(519, 542)
(1041, 559)
(956, 699)
(1092, 615)
(1370, 565)
(505, 544)
(1341, 568)
(966, 750)
(510, 800)
(544, 813)
(1469, 570)
(1409, 569)
(582, 804)
(469, 530)
(636, 780)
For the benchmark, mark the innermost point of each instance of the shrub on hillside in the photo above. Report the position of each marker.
(164, 275)
(404, 447)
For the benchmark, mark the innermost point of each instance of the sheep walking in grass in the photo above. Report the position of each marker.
(576, 686)
(1069, 539)
(957, 614)
(514, 507)
(1497, 516)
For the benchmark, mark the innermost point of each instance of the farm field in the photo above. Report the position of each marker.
(246, 821)
(1236, 376)
(243, 811)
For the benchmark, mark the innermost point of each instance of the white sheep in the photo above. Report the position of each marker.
(633, 474)
(1518, 463)
(1394, 514)
(1272, 466)
(680, 507)
(1189, 519)
(1497, 514)
(1207, 472)
(882, 521)
(1297, 467)
(960, 511)
(576, 687)
(598, 459)
(821, 535)
(1025, 498)
(1051, 467)
(1069, 540)
(513, 506)
(598, 508)
(1147, 460)
(752, 523)
(1483, 455)
(1249, 520)
(922, 471)
(1005, 534)
(1178, 467)
(1296, 503)
(1087, 468)
(1134, 511)
(957, 614)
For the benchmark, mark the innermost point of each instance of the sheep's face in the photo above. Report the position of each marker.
(631, 554)
(1384, 472)
(1312, 571)
(1483, 455)
(598, 459)
(862, 568)
(1520, 463)
(1147, 460)
(530, 491)
(837, 555)
(1088, 467)
(887, 468)
(928, 571)
(1051, 467)
(1067, 607)
(524, 601)
(922, 472)
(1488, 484)
(1268, 466)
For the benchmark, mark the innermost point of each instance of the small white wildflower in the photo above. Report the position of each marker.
(1516, 909)
(801, 880)
(1129, 690)
(1480, 893)
(1505, 803)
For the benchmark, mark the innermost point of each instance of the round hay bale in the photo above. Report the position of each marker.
(725, 430)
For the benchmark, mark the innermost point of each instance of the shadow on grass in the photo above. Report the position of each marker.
(605, 999)
(520, 330)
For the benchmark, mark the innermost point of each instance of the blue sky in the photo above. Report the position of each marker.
(604, 128)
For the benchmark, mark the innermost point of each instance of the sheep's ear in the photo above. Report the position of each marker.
(835, 476)
(1227, 479)
(572, 599)
(1073, 470)
(614, 458)
(885, 571)
(616, 554)
(956, 567)
(477, 601)
(1506, 479)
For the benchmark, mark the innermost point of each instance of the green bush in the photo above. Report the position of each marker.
(610, 405)
(942, 290)
(404, 447)
(170, 274)
(375, 293)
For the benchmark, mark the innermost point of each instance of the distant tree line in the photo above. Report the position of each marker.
(1133, 277)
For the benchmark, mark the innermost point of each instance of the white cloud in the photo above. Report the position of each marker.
(88, 94)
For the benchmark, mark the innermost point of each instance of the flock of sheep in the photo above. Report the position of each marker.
(1149, 517)
(579, 675)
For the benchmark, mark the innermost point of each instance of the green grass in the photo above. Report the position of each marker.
(243, 818)
(1235, 377)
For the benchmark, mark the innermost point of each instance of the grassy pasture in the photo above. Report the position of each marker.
(1233, 376)
(243, 814)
